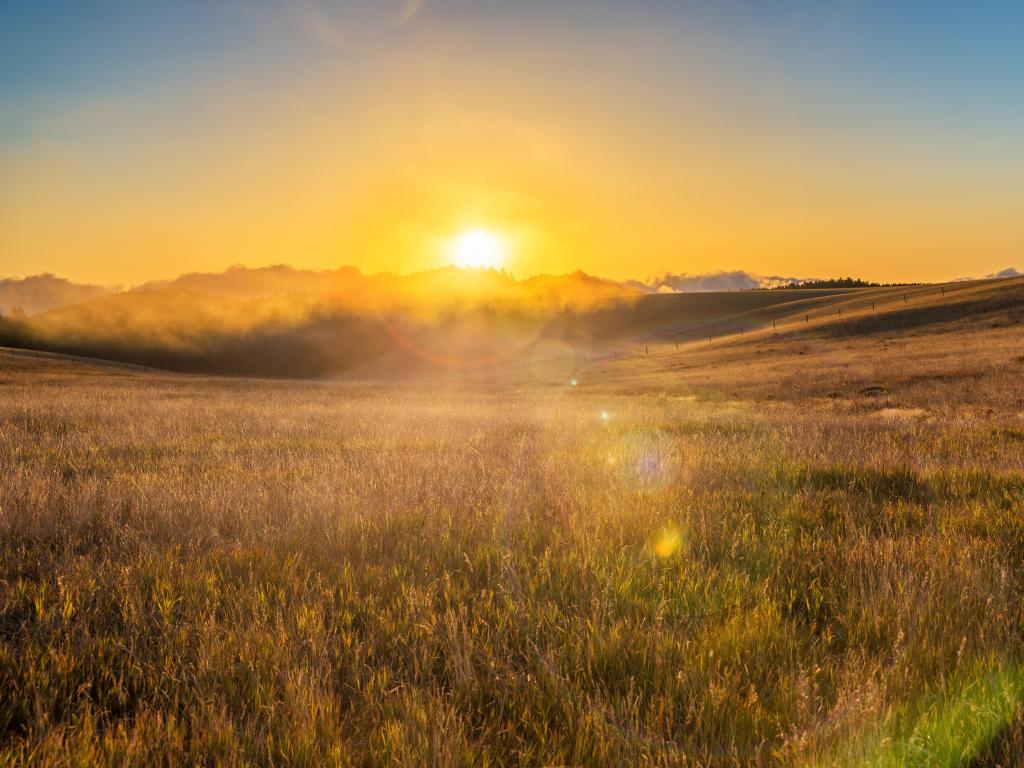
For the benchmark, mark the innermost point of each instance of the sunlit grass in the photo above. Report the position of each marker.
(947, 728)
(201, 571)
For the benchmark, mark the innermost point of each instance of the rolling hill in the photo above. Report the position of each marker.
(486, 326)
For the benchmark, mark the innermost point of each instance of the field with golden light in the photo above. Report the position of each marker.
(798, 546)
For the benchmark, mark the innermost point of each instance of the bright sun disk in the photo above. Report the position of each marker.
(478, 249)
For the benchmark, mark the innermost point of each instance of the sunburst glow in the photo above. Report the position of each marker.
(478, 249)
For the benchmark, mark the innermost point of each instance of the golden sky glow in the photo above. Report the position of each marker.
(620, 139)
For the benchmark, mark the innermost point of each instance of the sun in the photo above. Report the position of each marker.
(478, 249)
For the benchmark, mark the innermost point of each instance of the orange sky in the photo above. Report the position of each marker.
(621, 139)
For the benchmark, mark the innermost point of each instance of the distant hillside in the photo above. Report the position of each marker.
(38, 293)
(490, 321)
(463, 319)
(278, 280)
(847, 313)
(441, 317)
(385, 291)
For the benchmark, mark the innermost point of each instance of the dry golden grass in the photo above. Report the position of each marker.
(729, 554)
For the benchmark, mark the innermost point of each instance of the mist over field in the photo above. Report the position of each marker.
(285, 322)
(282, 321)
(288, 322)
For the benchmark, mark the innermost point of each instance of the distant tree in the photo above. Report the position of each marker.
(17, 313)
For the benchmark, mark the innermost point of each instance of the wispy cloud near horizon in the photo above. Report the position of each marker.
(735, 280)
(1002, 274)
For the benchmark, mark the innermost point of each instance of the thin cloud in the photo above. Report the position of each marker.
(338, 23)
(1008, 272)
(736, 280)
(1002, 274)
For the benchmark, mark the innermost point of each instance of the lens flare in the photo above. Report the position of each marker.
(669, 543)
(648, 459)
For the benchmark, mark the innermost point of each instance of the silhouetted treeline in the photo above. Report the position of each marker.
(839, 282)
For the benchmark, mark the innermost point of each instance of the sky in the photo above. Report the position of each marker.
(141, 140)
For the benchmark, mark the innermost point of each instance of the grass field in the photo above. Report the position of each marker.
(801, 549)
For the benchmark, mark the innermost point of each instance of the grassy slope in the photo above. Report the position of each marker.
(193, 331)
(725, 554)
(648, 335)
